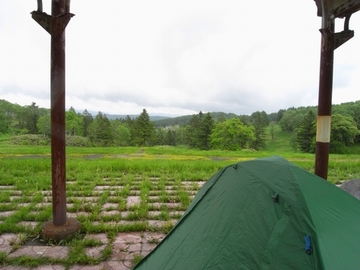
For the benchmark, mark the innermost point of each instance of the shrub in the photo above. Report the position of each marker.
(77, 141)
(30, 139)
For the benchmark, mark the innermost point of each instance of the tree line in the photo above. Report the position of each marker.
(203, 131)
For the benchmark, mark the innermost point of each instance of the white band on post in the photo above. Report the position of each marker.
(323, 128)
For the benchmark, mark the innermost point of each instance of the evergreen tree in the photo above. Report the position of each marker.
(180, 136)
(144, 130)
(102, 133)
(306, 133)
(30, 115)
(272, 129)
(259, 130)
(204, 132)
(87, 121)
(191, 131)
(170, 137)
(160, 136)
(5, 116)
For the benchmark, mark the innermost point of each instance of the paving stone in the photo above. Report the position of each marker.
(11, 267)
(43, 205)
(124, 214)
(156, 223)
(153, 237)
(51, 267)
(135, 192)
(55, 252)
(76, 214)
(28, 224)
(109, 205)
(172, 205)
(23, 204)
(176, 213)
(99, 237)
(132, 201)
(154, 213)
(116, 265)
(153, 198)
(7, 187)
(100, 266)
(110, 213)
(126, 245)
(5, 240)
(134, 247)
(103, 187)
(129, 258)
(15, 198)
(6, 213)
(155, 205)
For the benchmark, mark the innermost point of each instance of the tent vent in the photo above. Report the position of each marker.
(235, 166)
(308, 247)
(275, 197)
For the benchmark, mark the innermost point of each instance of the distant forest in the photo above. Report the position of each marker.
(216, 130)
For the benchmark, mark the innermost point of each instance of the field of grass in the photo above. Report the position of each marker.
(100, 180)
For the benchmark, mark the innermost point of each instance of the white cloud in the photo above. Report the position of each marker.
(176, 57)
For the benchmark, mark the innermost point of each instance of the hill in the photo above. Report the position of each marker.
(185, 119)
(133, 116)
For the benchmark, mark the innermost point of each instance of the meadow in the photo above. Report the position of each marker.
(100, 181)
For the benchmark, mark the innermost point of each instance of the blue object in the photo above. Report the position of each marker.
(308, 247)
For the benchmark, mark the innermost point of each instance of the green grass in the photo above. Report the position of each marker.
(128, 171)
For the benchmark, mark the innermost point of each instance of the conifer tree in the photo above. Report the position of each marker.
(259, 130)
(306, 132)
(144, 130)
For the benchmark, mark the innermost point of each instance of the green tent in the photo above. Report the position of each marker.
(263, 214)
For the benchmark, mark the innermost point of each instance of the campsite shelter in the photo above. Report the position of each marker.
(263, 214)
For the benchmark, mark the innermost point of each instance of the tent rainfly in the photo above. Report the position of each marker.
(263, 214)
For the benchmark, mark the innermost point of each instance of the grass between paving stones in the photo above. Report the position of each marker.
(98, 190)
(92, 184)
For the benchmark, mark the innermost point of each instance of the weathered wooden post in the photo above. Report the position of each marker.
(329, 10)
(60, 227)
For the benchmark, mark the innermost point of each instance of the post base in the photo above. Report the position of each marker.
(50, 232)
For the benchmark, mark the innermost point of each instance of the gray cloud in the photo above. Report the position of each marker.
(177, 57)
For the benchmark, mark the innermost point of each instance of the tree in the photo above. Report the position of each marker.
(44, 125)
(272, 129)
(343, 133)
(191, 131)
(306, 133)
(198, 130)
(170, 137)
(290, 120)
(232, 135)
(259, 130)
(73, 123)
(204, 132)
(7, 114)
(101, 130)
(143, 131)
(30, 115)
(122, 136)
(160, 136)
(87, 121)
(180, 136)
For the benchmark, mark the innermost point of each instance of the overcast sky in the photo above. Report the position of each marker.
(175, 57)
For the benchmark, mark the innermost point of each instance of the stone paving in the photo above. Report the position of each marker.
(118, 211)
(124, 248)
